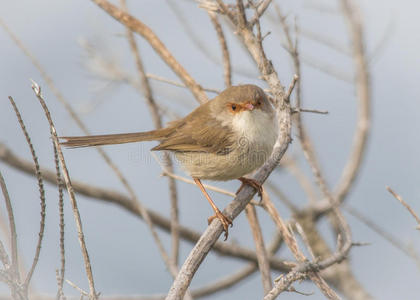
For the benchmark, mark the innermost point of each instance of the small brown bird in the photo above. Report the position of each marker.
(226, 138)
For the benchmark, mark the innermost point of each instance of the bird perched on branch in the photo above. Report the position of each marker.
(223, 139)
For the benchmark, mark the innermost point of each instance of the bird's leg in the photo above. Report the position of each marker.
(252, 183)
(218, 214)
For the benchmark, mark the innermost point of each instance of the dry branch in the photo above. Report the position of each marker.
(140, 28)
(88, 268)
(42, 198)
(406, 205)
(227, 68)
(262, 254)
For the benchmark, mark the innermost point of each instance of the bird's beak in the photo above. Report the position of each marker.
(249, 106)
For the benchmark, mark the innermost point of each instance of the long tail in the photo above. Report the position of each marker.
(111, 139)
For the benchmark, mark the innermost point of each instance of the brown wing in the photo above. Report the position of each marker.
(198, 133)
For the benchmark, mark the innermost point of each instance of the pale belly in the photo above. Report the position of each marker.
(222, 167)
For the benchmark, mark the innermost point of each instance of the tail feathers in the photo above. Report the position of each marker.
(110, 139)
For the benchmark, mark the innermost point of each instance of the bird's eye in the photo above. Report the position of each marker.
(233, 107)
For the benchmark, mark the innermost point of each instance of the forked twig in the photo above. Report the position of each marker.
(291, 242)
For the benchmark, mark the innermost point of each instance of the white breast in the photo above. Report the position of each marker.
(257, 129)
(258, 133)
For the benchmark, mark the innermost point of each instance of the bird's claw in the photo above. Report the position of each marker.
(252, 182)
(224, 220)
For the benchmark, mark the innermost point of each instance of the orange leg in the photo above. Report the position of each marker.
(252, 183)
(218, 214)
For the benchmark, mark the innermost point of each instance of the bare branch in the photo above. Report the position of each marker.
(406, 205)
(327, 41)
(13, 236)
(314, 111)
(363, 92)
(88, 268)
(290, 240)
(393, 240)
(61, 272)
(41, 194)
(227, 68)
(178, 84)
(140, 28)
(262, 256)
(262, 6)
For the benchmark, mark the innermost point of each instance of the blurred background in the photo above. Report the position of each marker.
(86, 54)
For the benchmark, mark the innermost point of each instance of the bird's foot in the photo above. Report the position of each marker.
(224, 220)
(252, 182)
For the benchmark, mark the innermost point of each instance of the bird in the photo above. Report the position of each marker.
(223, 139)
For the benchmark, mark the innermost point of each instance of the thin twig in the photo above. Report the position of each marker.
(80, 290)
(326, 68)
(168, 173)
(406, 205)
(304, 182)
(60, 293)
(176, 83)
(393, 240)
(263, 5)
(327, 41)
(305, 240)
(140, 28)
(13, 235)
(282, 197)
(314, 111)
(291, 242)
(262, 255)
(283, 283)
(197, 38)
(41, 194)
(363, 92)
(4, 257)
(88, 268)
(227, 68)
(225, 282)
